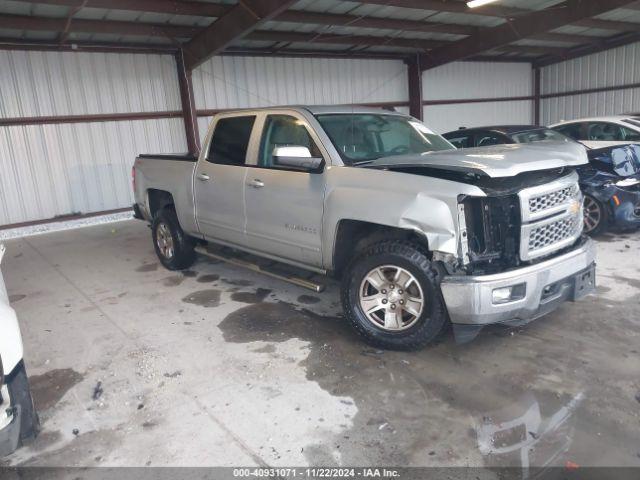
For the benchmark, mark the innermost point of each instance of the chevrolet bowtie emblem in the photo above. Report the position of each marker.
(574, 207)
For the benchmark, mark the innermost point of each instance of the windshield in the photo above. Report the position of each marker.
(362, 137)
(539, 135)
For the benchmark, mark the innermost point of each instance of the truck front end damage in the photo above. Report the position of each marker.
(520, 251)
(522, 254)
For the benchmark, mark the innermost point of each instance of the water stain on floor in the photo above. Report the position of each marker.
(94, 445)
(308, 299)
(190, 273)
(204, 298)
(173, 281)
(47, 389)
(239, 283)
(149, 267)
(632, 282)
(45, 439)
(16, 298)
(208, 278)
(421, 408)
(251, 297)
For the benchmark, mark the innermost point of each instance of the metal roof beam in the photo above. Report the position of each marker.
(522, 27)
(240, 20)
(111, 47)
(615, 25)
(298, 16)
(25, 22)
(583, 50)
(277, 36)
(453, 7)
(171, 7)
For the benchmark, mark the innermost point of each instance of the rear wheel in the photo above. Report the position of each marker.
(174, 248)
(596, 216)
(391, 296)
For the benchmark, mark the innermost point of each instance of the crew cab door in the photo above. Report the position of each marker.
(219, 179)
(285, 205)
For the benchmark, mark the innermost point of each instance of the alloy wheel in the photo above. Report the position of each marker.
(164, 240)
(391, 298)
(592, 214)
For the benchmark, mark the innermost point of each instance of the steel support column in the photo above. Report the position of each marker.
(536, 96)
(188, 105)
(414, 74)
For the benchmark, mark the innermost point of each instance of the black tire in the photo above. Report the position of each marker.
(596, 208)
(183, 255)
(20, 394)
(401, 253)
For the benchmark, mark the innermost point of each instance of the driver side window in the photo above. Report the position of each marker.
(284, 131)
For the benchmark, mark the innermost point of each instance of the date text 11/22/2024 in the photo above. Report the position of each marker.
(313, 473)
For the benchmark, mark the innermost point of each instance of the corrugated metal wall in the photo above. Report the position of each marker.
(477, 80)
(80, 83)
(57, 169)
(237, 82)
(610, 68)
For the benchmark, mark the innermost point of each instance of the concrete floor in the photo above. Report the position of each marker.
(220, 366)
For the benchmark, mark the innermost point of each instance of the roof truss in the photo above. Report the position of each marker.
(243, 20)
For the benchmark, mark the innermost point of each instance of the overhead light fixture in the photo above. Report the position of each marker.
(479, 3)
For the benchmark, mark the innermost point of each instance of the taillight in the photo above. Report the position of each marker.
(133, 178)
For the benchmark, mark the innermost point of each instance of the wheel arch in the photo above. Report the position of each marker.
(159, 199)
(353, 236)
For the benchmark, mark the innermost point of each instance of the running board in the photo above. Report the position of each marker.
(230, 256)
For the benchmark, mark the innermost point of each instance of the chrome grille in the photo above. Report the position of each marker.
(552, 199)
(551, 217)
(552, 233)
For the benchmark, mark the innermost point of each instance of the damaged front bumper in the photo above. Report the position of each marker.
(537, 289)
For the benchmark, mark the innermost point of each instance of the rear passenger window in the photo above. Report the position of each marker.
(572, 130)
(230, 140)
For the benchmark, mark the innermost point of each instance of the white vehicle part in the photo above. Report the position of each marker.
(11, 348)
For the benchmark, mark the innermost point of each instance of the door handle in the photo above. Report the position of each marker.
(203, 177)
(256, 183)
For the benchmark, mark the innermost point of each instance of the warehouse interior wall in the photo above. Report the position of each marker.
(610, 79)
(56, 161)
(237, 82)
(53, 167)
(474, 94)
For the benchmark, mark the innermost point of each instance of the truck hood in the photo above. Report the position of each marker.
(495, 161)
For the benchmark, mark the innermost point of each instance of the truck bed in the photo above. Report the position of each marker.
(180, 157)
(171, 173)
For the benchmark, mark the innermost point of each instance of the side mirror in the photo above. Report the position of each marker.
(296, 157)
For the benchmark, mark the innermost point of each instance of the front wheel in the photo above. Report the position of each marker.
(595, 216)
(391, 296)
(174, 248)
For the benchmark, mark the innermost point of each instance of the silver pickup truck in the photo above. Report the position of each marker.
(421, 234)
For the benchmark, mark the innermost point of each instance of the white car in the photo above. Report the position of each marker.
(600, 132)
(18, 418)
